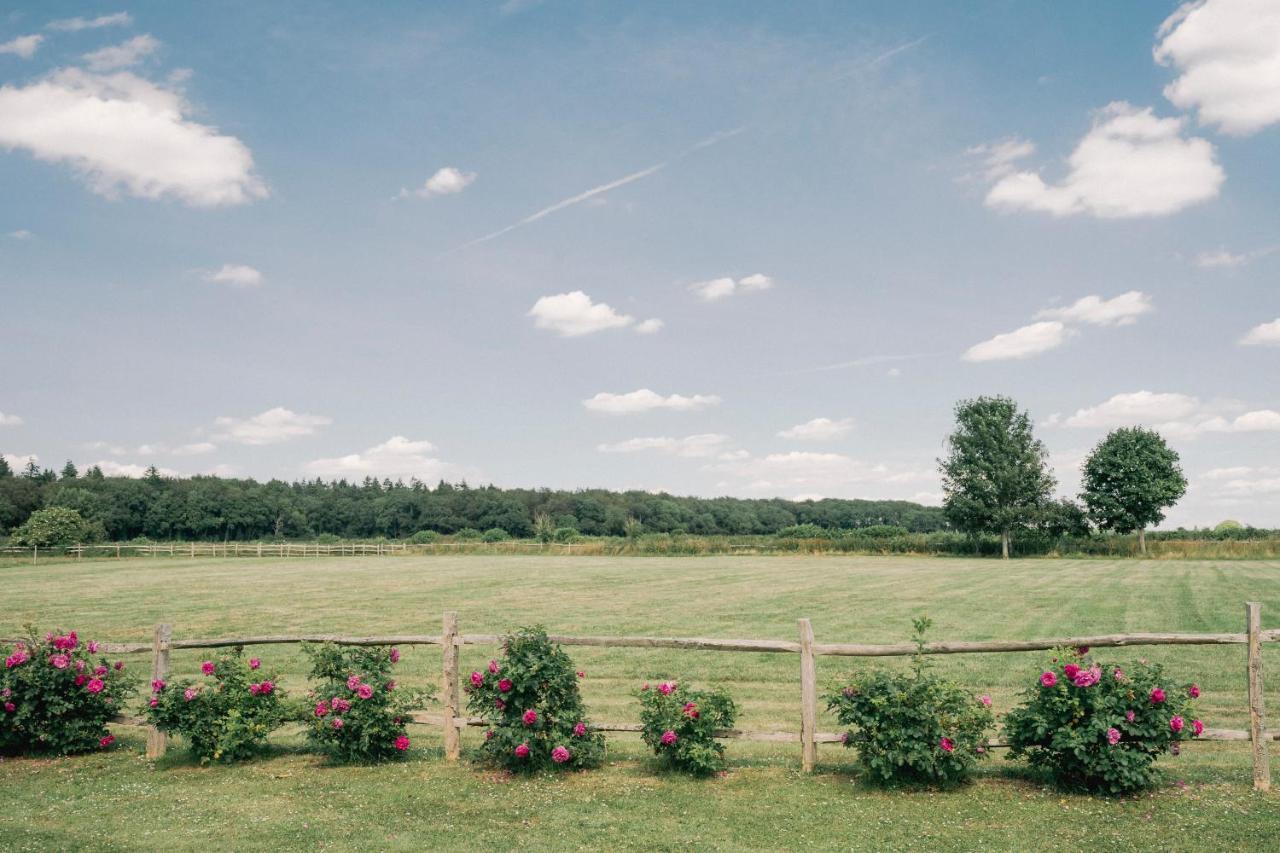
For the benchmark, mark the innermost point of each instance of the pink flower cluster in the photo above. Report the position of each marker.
(691, 710)
(265, 688)
(580, 730)
(522, 751)
(560, 755)
(668, 737)
(529, 717)
(339, 704)
(65, 643)
(1087, 677)
(207, 667)
(402, 743)
(666, 687)
(18, 658)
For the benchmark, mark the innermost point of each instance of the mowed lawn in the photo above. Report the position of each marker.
(292, 800)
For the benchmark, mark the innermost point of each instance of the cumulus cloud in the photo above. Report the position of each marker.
(1131, 163)
(1263, 335)
(122, 55)
(23, 46)
(1244, 480)
(10, 420)
(1227, 53)
(397, 458)
(1122, 310)
(71, 25)
(818, 429)
(572, 315)
(111, 468)
(234, 275)
(645, 400)
(270, 427)
(1175, 415)
(722, 288)
(123, 134)
(1021, 343)
(1222, 259)
(1000, 158)
(18, 461)
(691, 446)
(446, 181)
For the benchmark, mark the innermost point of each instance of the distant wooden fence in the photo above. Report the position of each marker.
(452, 720)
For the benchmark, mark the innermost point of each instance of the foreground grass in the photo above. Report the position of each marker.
(293, 801)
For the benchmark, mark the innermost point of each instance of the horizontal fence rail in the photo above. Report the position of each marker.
(452, 721)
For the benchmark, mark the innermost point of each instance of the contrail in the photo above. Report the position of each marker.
(857, 362)
(595, 191)
(882, 58)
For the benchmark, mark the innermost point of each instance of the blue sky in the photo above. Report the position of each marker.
(436, 240)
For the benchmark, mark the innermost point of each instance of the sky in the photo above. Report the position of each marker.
(745, 249)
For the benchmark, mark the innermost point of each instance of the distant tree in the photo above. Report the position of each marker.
(1130, 478)
(544, 529)
(631, 528)
(1063, 517)
(69, 471)
(54, 526)
(995, 478)
(32, 471)
(5, 470)
(1229, 524)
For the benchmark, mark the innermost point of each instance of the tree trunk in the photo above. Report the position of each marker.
(1142, 540)
(1004, 544)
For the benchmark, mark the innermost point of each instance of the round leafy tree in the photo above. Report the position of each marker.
(679, 725)
(1130, 478)
(57, 695)
(1101, 726)
(530, 698)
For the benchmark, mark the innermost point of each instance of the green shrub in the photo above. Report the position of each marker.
(56, 696)
(679, 725)
(912, 727)
(496, 534)
(360, 712)
(1098, 726)
(804, 531)
(56, 527)
(565, 535)
(529, 696)
(226, 716)
(424, 537)
(468, 534)
(328, 539)
(880, 531)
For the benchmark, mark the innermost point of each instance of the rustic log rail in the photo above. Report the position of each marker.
(452, 721)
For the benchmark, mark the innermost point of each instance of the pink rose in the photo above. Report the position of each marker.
(254, 663)
(95, 685)
(668, 738)
(118, 665)
(107, 741)
(80, 679)
(395, 655)
(947, 744)
(1113, 736)
(665, 688)
(1070, 670)
(154, 702)
(364, 691)
(402, 743)
(190, 693)
(1194, 691)
(390, 685)
(339, 704)
(985, 700)
(499, 704)
(267, 687)
(1048, 679)
(560, 755)
(1118, 674)
(80, 665)
(580, 730)
(522, 751)
(1082, 650)
(157, 685)
(321, 709)
(1176, 723)
(477, 679)
(207, 667)
(255, 689)
(59, 661)
(493, 667)
(581, 674)
(337, 722)
(353, 682)
(9, 707)
(530, 717)
(691, 710)
(1197, 728)
(1129, 715)
(92, 646)
(97, 670)
(488, 735)
(1157, 696)
(505, 685)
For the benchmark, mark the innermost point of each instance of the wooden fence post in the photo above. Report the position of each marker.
(449, 686)
(808, 698)
(156, 740)
(1257, 716)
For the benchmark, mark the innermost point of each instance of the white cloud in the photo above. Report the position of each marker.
(21, 234)
(645, 400)
(1222, 259)
(234, 275)
(1174, 415)
(1131, 163)
(195, 449)
(18, 461)
(1263, 334)
(23, 46)
(1000, 158)
(10, 420)
(1021, 343)
(691, 446)
(396, 458)
(1227, 53)
(573, 314)
(446, 181)
(122, 55)
(270, 427)
(122, 133)
(1122, 310)
(649, 327)
(72, 25)
(818, 429)
(721, 288)
(112, 468)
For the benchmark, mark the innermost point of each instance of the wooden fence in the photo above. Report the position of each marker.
(452, 719)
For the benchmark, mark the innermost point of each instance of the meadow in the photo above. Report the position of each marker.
(292, 800)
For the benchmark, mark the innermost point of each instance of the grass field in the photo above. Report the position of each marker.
(119, 800)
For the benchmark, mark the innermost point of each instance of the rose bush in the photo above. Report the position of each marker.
(358, 713)
(1101, 726)
(912, 727)
(530, 698)
(679, 725)
(57, 694)
(227, 714)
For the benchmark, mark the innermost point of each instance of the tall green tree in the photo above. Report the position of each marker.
(995, 478)
(1130, 479)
